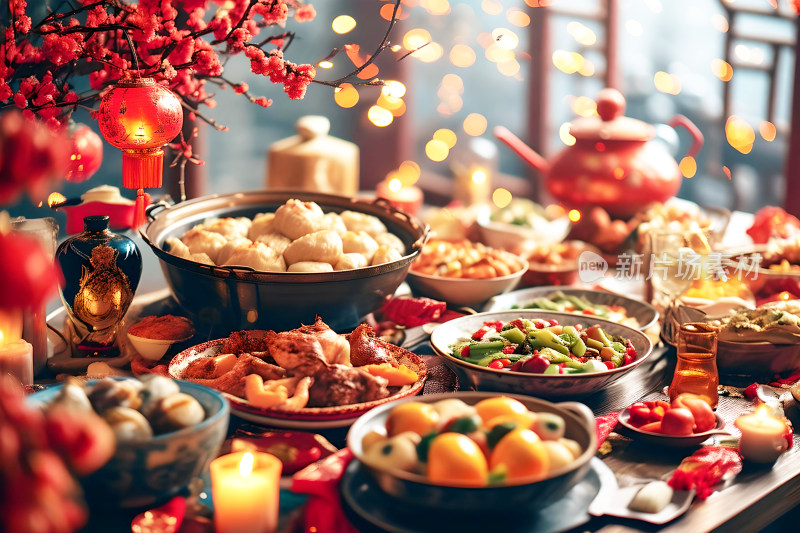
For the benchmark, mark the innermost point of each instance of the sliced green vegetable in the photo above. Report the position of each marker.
(544, 338)
(513, 335)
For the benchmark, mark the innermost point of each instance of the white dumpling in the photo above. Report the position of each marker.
(201, 257)
(321, 246)
(359, 242)
(334, 222)
(351, 261)
(392, 241)
(385, 254)
(356, 221)
(276, 241)
(230, 247)
(258, 256)
(310, 266)
(178, 249)
(228, 227)
(295, 218)
(263, 223)
(199, 240)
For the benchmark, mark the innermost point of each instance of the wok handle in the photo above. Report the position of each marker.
(694, 131)
(410, 219)
(153, 209)
(583, 412)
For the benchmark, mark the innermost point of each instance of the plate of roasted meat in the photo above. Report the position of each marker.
(307, 378)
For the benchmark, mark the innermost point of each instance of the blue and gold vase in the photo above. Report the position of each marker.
(101, 272)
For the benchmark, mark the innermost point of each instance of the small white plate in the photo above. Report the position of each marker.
(617, 504)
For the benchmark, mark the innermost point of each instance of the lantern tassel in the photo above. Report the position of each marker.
(138, 213)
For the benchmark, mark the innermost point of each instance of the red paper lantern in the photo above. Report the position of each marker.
(139, 116)
(86, 154)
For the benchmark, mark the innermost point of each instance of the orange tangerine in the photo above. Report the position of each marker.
(421, 418)
(520, 454)
(455, 459)
(522, 420)
(499, 405)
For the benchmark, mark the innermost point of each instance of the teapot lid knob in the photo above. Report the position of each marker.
(610, 104)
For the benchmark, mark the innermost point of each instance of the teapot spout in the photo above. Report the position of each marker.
(521, 149)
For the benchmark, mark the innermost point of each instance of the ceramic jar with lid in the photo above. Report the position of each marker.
(312, 160)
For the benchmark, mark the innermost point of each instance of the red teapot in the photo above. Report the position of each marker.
(612, 163)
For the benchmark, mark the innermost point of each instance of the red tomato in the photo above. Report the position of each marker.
(677, 421)
(86, 154)
(704, 419)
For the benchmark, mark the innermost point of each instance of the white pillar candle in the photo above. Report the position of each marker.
(16, 358)
(763, 436)
(245, 490)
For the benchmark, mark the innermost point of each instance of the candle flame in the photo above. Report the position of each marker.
(140, 131)
(55, 198)
(395, 184)
(10, 326)
(762, 412)
(246, 464)
(785, 295)
(478, 177)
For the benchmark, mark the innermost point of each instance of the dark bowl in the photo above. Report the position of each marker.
(418, 490)
(235, 298)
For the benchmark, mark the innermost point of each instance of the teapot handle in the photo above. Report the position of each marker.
(694, 131)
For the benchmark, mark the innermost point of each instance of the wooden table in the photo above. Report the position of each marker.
(755, 498)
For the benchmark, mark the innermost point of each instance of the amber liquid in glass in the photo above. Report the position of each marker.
(696, 369)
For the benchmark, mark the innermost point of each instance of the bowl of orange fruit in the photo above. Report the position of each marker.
(475, 451)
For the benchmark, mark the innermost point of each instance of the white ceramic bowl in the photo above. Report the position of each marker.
(542, 385)
(511, 236)
(462, 291)
(152, 349)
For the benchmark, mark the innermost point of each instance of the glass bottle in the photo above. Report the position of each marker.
(696, 370)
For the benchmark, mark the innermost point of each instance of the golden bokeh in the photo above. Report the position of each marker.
(436, 7)
(564, 134)
(429, 53)
(568, 62)
(688, 166)
(379, 116)
(501, 197)
(583, 106)
(479, 177)
(408, 172)
(586, 69)
(453, 82)
(389, 102)
(509, 68)
(720, 23)
(767, 130)
(484, 39)
(740, 134)
(343, 24)
(436, 150)
(475, 124)
(581, 33)
(446, 136)
(667, 83)
(722, 69)
(505, 38)
(393, 88)
(497, 54)
(462, 56)
(518, 17)
(325, 64)
(415, 38)
(574, 215)
(345, 96)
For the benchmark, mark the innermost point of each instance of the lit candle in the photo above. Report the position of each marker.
(472, 186)
(16, 355)
(404, 198)
(763, 436)
(245, 491)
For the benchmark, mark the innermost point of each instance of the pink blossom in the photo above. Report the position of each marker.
(262, 101)
(305, 13)
(20, 101)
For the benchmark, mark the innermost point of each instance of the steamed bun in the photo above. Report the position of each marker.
(295, 218)
(384, 254)
(321, 246)
(351, 261)
(356, 221)
(257, 256)
(310, 266)
(359, 242)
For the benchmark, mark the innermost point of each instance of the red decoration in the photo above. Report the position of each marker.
(28, 276)
(86, 154)
(139, 117)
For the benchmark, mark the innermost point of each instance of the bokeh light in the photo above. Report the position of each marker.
(740, 134)
(492, 7)
(581, 33)
(325, 64)
(505, 38)
(462, 56)
(574, 215)
(583, 106)
(688, 166)
(446, 136)
(436, 150)
(343, 24)
(518, 17)
(667, 83)
(345, 96)
(722, 69)
(380, 116)
(393, 88)
(564, 134)
(415, 38)
(767, 130)
(436, 7)
(475, 124)
(408, 172)
(501, 197)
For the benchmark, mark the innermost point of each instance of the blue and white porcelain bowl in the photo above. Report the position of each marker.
(144, 473)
